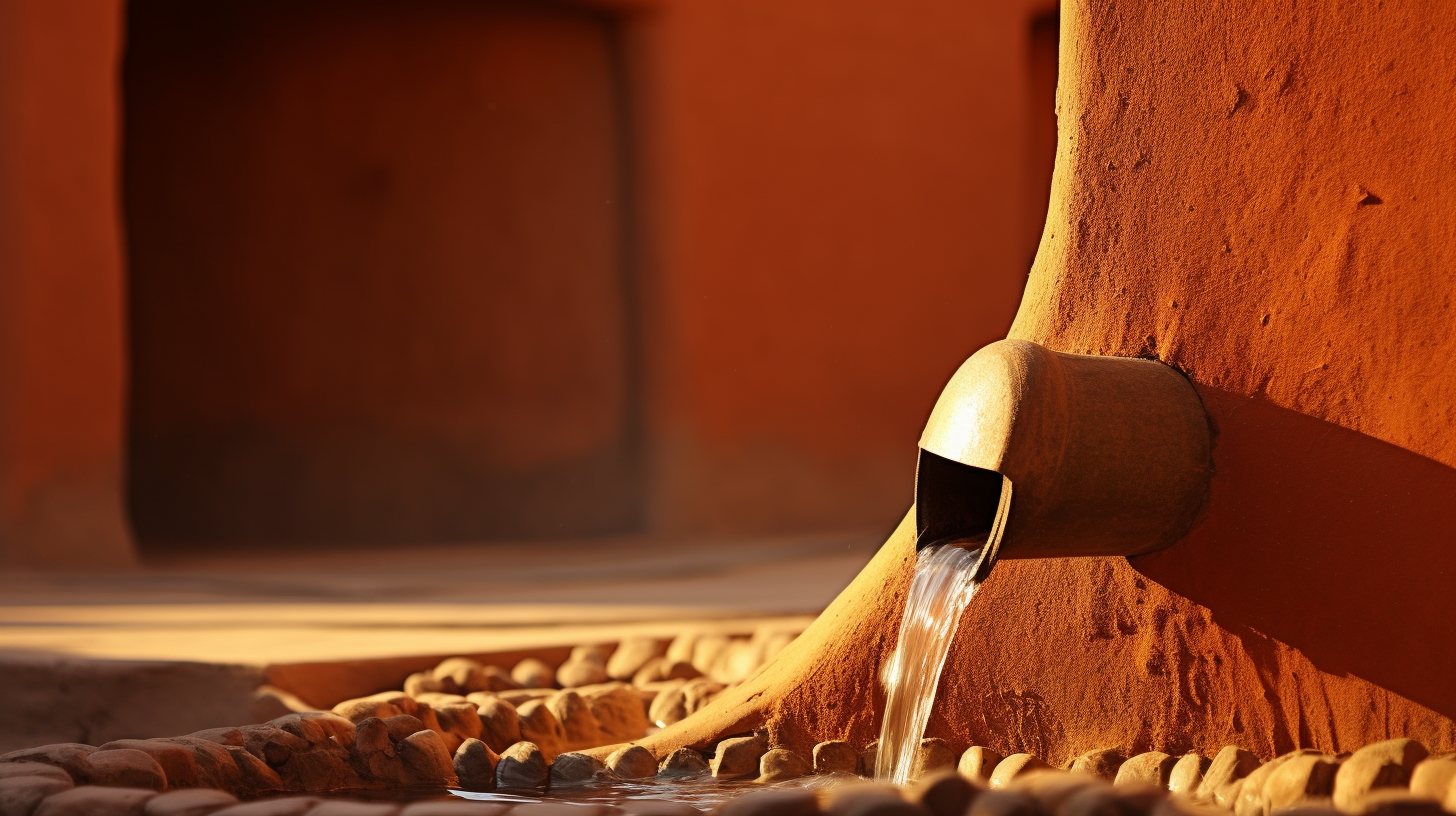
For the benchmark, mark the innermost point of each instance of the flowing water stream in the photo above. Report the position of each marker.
(939, 593)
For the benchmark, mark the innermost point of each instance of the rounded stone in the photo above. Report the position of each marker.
(788, 802)
(533, 673)
(632, 762)
(977, 764)
(738, 757)
(285, 806)
(455, 807)
(426, 759)
(522, 766)
(193, 802)
(781, 765)
(683, 762)
(344, 807)
(1385, 764)
(540, 726)
(1250, 799)
(9, 769)
(1149, 768)
(574, 769)
(657, 807)
(125, 768)
(19, 795)
(500, 724)
(176, 761)
(1014, 766)
(577, 720)
(474, 764)
(944, 793)
(835, 756)
(619, 711)
(933, 755)
(870, 799)
(1434, 777)
(1003, 803)
(1103, 763)
(1187, 774)
(1393, 802)
(631, 655)
(1229, 765)
(95, 800)
(1304, 778)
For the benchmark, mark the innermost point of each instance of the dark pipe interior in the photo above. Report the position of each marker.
(954, 503)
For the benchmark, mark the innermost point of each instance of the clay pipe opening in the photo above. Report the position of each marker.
(1108, 456)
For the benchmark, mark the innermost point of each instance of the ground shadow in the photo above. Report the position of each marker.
(1333, 542)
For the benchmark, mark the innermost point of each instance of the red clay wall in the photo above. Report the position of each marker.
(61, 337)
(840, 203)
(1264, 199)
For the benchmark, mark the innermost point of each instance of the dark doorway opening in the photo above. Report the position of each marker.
(379, 278)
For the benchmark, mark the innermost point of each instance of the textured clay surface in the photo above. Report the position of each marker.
(1263, 200)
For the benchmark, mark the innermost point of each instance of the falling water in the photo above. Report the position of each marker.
(939, 592)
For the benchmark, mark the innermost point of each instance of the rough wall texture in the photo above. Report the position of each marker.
(1260, 195)
(61, 347)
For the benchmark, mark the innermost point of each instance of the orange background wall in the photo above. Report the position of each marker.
(827, 206)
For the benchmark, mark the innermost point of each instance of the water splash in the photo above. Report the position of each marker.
(942, 587)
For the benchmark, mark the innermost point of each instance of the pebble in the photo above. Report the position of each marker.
(426, 759)
(318, 769)
(737, 661)
(221, 736)
(572, 769)
(272, 745)
(1052, 788)
(337, 807)
(738, 757)
(1103, 763)
(176, 762)
(619, 711)
(364, 708)
(1385, 764)
(520, 696)
(498, 679)
(402, 725)
(933, 755)
(9, 769)
(254, 776)
(632, 762)
(1250, 799)
(869, 757)
(194, 802)
(125, 768)
(419, 684)
(286, 806)
(1104, 800)
(372, 753)
(460, 675)
(977, 764)
(521, 766)
(781, 765)
(662, 669)
(706, 651)
(474, 764)
(561, 809)
(500, 725)
(533, 673)
(1433, 777)
(835, 756)
(1393, 802)
(95, 800)
(1300, 780)
(317, 726)
(675, 705)
(1014, 766)
(787, 802)
(681, 647)
(944, 793)
(657, 807)
(1229, 765)
(577, 720)
(540, 726)
(1003, 803)
(68, 756)
(458, 718)
(455, 807)
(215, 766)
(682, 763)
(20, 794)
(870, 799)
(1187, 774)
(631, 655)
(585, 666)
(1151, 768)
